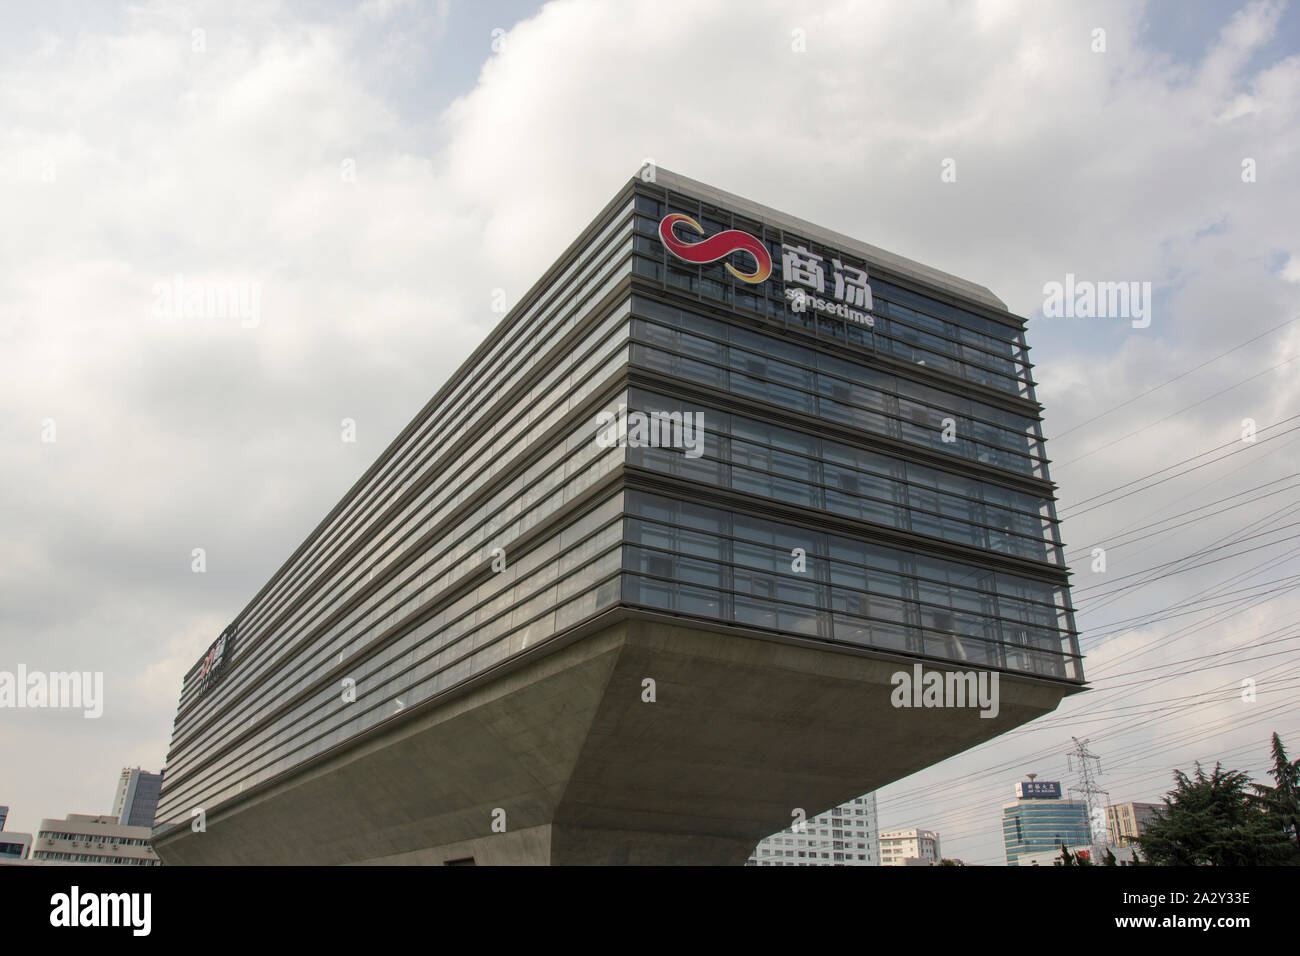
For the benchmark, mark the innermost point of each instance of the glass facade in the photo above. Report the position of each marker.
(917, 329)
(905, 460)
(395, 592)
(1033, 826)
(784, 374)
(723, 565)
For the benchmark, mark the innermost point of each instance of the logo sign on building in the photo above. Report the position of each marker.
(810, 282)
(716, 247)
(1038, 790)
(218, 656)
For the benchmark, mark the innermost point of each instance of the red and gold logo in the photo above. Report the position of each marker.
(716, 247)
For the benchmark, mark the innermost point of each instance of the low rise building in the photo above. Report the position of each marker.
(93, 839)
(1093, 853)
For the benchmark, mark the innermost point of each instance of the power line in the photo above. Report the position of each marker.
(1101, 601)
(1253, 463)
(1243, 447)
(1172, 610)
(1036, 727)
(1158, 421)
(1127, 754)
(1181, 375)
(1190, 629)
(1192, 567)
(989, 788)
(951, 837)
(1215, 514)
(1201, 658)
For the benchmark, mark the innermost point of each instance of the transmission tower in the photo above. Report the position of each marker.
(1088, 766)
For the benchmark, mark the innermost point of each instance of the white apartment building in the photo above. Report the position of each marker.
(95, 839)
(911, 847)
(842, 836)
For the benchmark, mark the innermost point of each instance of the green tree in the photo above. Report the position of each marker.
(1109, 859)
(1074, 859)
(1214, 820)
(1282, 800)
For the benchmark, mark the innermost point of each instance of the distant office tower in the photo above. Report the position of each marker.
(842, 836)
(4, 815)
(1125, 822)
(1040, 820)
(645, 573)
(87, 838)
(912, 847)
(137, 797)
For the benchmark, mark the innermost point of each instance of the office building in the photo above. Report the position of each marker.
(137, 797)
(93, 839)
(910, 847)
(1040, 821)
(842, 836)
(643, 576)
(1125, 822)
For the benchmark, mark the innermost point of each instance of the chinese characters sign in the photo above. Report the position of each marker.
(845, 293)
(806, 286)
(1039, 790)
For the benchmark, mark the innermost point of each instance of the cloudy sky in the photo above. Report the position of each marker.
(376, 169)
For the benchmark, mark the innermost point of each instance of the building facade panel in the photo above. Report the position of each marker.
(433, 539)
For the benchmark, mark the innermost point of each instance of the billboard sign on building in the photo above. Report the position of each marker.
(845, 293)
(1038, 790)
(218, 656)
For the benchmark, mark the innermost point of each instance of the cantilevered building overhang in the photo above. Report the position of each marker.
(539, 631)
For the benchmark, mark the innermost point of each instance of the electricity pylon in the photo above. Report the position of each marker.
(1088, 766)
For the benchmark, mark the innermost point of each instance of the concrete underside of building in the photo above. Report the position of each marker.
(572, 765)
